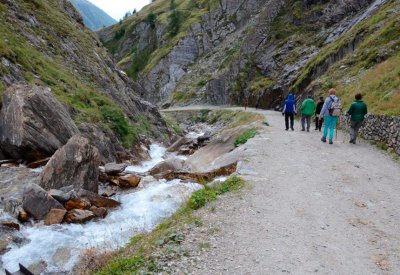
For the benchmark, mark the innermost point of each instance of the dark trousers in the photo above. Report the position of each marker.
(354, 128)
(305, 119)
(318, 123)
(287, 116)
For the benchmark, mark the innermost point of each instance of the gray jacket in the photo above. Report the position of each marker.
(327, 105)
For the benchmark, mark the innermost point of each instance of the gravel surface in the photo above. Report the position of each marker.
(308, 207)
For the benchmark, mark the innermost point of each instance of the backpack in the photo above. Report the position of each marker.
(336, 108)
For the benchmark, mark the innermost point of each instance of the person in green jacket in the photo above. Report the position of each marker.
(357, 112)
(307, 110)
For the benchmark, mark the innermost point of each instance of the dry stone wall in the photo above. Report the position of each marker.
(380, 128)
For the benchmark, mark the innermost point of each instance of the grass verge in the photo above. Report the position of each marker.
(243, 138)
(138, 256)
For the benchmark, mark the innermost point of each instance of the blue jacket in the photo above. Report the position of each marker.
(290, 105)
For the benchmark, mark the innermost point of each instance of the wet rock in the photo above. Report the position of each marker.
(114, 168)
(33, 124)
(62, 196)
(38, 163)
(173, 164)
(23, 216)
(75, 163)
(177, 144)
(97, 200)
(37, 202)
(100, 212)
(108, 192)
(129, 181)
(55, 216)
(10, 224)
(79, 216)
(78, 203)
(38, 268)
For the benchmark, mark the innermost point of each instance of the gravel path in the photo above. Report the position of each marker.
(309, 207)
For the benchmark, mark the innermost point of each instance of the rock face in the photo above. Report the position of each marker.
(75, 164)
(33, 125)
(37, 202)
(55, 50)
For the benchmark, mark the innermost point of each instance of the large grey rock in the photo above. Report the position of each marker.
(33, 124)
(114, 168)
(76, 163)
(38, 202)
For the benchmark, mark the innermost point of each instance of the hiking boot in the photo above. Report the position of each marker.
(308, 130)
(323, 139)
(303, 130)
(292, 129)
(286, 129)
(330, 141)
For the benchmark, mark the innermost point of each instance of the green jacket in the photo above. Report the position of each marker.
(308, 107)
(357, 111)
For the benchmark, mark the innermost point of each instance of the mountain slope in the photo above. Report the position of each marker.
(93, 17)
(230, 50)
(51, 47)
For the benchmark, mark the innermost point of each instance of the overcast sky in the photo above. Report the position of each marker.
(117, 8)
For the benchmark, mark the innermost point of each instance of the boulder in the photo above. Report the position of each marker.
(129, 181)
(172, 164)
(100, 212)
(98, 200)
(75, 163)
(79, 216)
(177, 144)
(114, 168)
(78, 203)
(55, 216)
(37, 202)
(62, 196)
(33, 124)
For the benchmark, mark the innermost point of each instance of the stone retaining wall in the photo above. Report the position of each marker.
(380, 128)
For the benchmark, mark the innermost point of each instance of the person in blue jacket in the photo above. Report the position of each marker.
(289, 110)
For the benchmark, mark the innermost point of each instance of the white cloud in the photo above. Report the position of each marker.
(118, 8)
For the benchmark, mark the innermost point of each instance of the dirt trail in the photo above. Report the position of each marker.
(310, 207)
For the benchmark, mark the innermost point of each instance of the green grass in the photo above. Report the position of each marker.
(80, 92)
(137, 257)
(191, 13)
(243, 138)
(172, 124)
(379, 40)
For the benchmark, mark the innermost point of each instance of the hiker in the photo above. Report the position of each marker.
(319, 120)
(245, 103)
(289, 110)
(307, 110)
(330, 113)
(357, 112)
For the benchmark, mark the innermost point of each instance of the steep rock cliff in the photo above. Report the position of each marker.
(44, 42)
(229, 50)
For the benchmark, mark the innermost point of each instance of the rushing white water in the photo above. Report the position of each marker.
(60, 245)
(157, 155)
